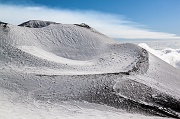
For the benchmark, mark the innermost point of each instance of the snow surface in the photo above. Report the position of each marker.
(51, 57)
(13, 108)
(69, 71)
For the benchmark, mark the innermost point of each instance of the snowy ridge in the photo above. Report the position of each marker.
(36, 23)
(60, 62)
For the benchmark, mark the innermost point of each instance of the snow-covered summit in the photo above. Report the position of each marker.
(36, 23)
(51, 62)
(3, 24)
(83, 25)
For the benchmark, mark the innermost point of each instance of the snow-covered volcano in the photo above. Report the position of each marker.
(45, 65)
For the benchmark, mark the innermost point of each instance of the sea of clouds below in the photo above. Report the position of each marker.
(169, 55)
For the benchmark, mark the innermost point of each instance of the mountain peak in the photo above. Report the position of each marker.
(83, 25)
(3, 24)
(36, 23)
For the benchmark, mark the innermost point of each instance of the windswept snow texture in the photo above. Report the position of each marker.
(52, 70)
(169, 55)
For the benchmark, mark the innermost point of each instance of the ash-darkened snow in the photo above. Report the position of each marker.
(72, 70)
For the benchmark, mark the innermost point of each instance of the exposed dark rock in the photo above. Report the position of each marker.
(83, 25)
(36, 23)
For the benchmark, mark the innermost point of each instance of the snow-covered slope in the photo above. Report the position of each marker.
(171, 56)
(52, 64)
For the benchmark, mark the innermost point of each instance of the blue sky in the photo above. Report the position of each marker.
(149, 15)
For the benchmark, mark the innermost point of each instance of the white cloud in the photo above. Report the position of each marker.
(110, 24)
(169, 55)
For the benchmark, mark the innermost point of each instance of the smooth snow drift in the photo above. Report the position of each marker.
(51, 57)
(52, 70)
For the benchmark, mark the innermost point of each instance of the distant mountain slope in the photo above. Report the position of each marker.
(52, 62)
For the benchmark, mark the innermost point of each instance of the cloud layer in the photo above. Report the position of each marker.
(169, 55)
(114, 26)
